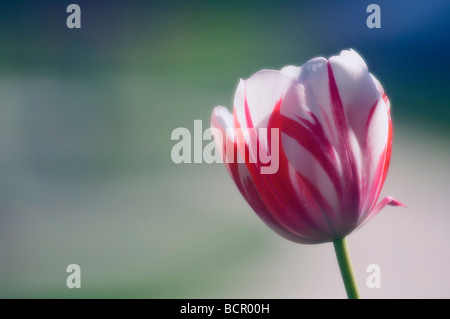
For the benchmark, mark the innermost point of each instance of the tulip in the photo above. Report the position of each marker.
(328, 123)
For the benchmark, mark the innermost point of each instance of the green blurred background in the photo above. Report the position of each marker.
(86, 117)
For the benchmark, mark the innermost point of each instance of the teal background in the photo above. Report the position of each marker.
(86, 117)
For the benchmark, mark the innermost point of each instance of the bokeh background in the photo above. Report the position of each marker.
(86, 177)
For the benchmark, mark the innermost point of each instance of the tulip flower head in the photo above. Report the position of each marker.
(327, 126)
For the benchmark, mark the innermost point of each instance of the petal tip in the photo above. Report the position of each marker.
(393, 202)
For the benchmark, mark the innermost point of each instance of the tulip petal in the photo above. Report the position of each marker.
(309, 133)
(291, 71)
(222, 129)
(354, 56)
(375, 154)
(388, 200)
(313, 98)
(248, 190)
(255, 98)
(255, 189)
(276, 191)
(308, 149)
(357, 90)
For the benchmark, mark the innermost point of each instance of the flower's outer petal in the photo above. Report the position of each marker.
(314, 98)
(277, 193)
(375, 155)
(378, 85)
(321, 109)
(252, 191)
(354, 56)
(370, 132)
(358, 93)
(388, 200)
(310, 153)
(363, 122)
(291, 71)
(255, 99)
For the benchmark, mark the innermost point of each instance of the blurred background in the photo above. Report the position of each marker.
(86, 177)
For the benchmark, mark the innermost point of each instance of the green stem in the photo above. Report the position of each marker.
(345, 265)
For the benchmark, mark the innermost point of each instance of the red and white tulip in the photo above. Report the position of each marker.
(333, 146)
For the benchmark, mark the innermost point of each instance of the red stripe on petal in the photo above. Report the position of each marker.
(248, 118)
(254, 200)
(351, 199)
(312, 137)
(321, 206)
(388, 150)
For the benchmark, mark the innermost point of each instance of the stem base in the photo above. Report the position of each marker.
(345, 265)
